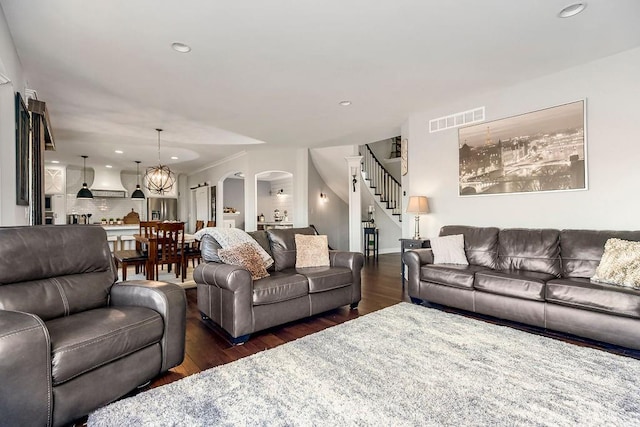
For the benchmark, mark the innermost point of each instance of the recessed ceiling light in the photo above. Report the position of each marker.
(174, 158)
(108, 166)
(119, 151)
(572, 10)
(345, 103)
(181, 47)
(55, 161)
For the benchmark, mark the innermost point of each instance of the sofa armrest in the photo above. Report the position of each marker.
(414, 259)
(169, 301)
(353, 261)
(25, 370)
(225, 295)
(226, 276)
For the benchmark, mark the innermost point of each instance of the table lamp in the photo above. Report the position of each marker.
(418, 205)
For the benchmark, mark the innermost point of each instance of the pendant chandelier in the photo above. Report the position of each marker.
(84, 192)
(159, 179)
(137, 194)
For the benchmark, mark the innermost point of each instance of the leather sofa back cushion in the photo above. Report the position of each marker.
(480, 243)
(529, 249)
(53, 271)
(209, 248)
(581, 250)
(283, 245)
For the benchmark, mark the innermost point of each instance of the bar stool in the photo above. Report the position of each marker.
(127, 243)
(113, 243)
(371, 241)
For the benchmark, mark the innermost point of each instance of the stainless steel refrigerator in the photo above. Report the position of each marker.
(161, 209)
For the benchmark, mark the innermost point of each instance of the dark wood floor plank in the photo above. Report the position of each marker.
(206, 345)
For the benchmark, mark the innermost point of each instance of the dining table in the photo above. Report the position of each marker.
(151, 243)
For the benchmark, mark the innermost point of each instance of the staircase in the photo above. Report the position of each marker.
(383, 185)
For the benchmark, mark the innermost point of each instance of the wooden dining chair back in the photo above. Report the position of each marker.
(211, 223)
(170, 240)
(199, 225)
(148, 228)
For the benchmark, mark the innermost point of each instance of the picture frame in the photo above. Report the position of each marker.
(22, 151)
(540, 151)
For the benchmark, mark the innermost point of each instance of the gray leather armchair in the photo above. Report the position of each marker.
(71, 338)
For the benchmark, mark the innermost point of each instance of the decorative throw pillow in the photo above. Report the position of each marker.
(620, 264)
(244, 255)
(311, 251)
(449, 250)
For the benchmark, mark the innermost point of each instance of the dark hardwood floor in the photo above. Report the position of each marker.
(206, 346)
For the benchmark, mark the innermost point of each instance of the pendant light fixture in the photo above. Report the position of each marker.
(159, 179)
(137, 194)
(84, 192)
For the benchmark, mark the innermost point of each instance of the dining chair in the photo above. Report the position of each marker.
(170, 237)
(146, 229)
(211, 223)
(199, 225)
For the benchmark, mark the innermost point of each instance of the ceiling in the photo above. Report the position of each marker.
(272, 73)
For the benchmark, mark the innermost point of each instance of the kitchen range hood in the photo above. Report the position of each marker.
(107, 183)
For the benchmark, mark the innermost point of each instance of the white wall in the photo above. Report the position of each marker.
(10, 213)
(251, 163)
(611, 87)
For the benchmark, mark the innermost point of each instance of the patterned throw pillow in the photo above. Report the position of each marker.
(244, 255)
(449, 250)
(620, 264)
(311, 251)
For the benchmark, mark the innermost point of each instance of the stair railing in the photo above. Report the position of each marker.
(385, 186)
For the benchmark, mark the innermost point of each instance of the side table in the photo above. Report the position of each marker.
(406, 244)
(371, 241)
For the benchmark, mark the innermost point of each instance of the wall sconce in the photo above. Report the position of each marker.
(278, 193)
(354, 181)
(323, 197)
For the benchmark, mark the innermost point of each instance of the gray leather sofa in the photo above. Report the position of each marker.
(231, 299)
(71, 338)
(539, 277)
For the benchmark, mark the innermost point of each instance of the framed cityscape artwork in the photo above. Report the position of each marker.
(543, 150)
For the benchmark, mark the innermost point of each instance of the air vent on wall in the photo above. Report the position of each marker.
(456, 120)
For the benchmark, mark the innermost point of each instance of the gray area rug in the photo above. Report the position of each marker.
(403, 365)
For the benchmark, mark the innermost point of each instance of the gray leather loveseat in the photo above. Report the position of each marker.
(228, 296)
(539, 277)
(71, 338)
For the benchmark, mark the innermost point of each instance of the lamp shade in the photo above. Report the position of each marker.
(418, 205)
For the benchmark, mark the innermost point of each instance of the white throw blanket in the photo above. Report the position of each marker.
(229, 237)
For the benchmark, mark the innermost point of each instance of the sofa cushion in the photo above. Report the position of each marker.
(229, 237)
(326, 278)
(283, 245)
(620, 264)
(457, 276)
(280, 286)
(535, 250)
(84, 341)
(516, 283)
(449, 249)
(262, 238)
(581, 250)
(61, 270)
(244, 255)
(209, 248)
(480, 243)
(584, 294)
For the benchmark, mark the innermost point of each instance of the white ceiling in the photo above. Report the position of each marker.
(273, 72)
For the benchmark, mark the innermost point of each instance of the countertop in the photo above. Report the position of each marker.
(121, 227)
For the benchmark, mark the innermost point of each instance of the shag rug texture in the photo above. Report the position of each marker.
(405, 365)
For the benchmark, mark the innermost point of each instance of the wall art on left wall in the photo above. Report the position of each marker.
(544, 150)
(22, 152)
